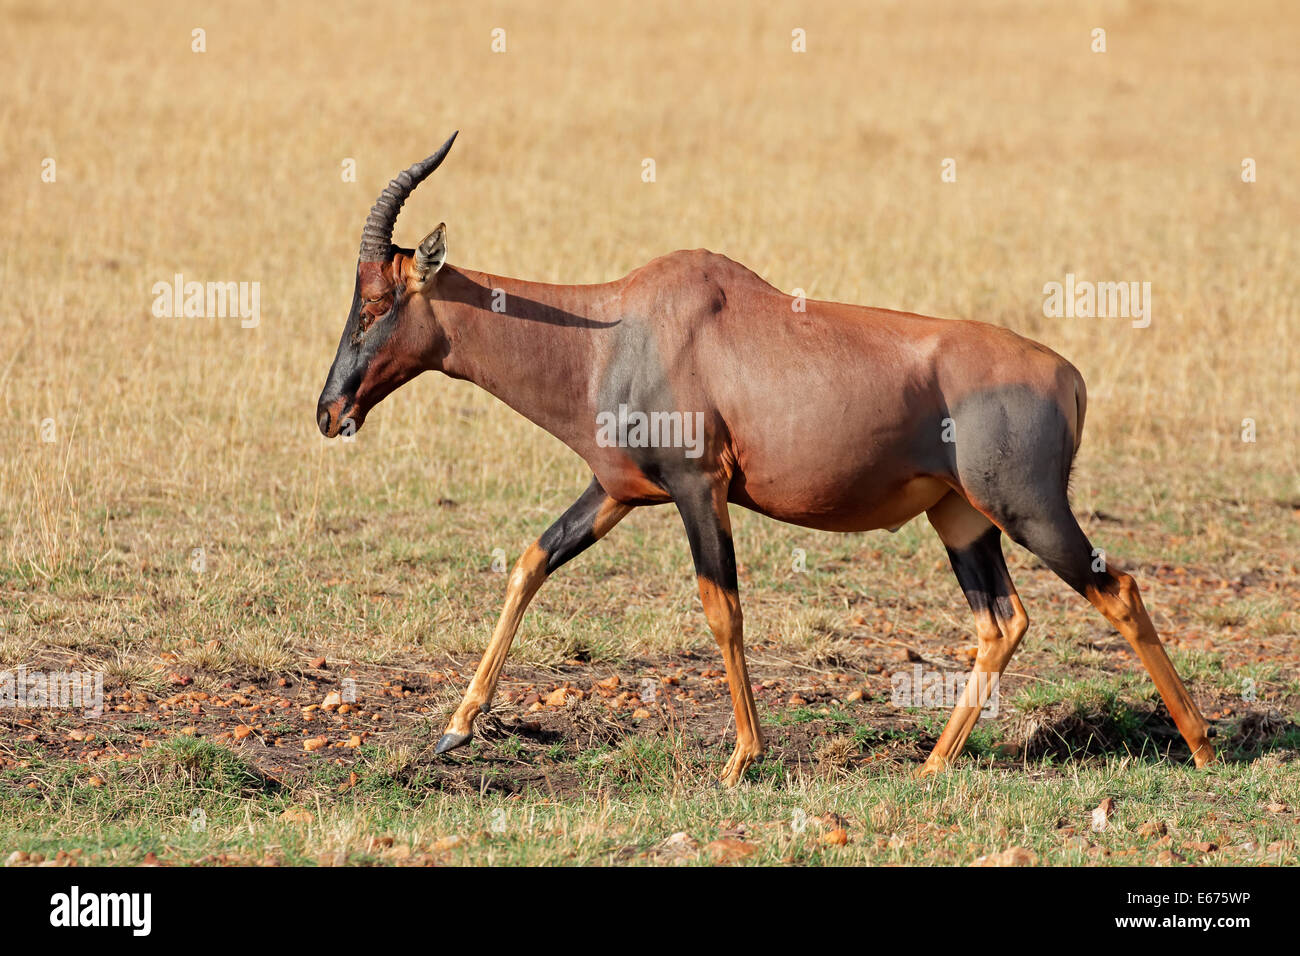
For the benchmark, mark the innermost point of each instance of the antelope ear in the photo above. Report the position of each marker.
(431, 253)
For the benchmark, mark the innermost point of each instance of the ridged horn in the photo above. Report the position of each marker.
(377, 236)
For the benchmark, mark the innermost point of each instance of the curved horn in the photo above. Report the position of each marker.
(378, 233)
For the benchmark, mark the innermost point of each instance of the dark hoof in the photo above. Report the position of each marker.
(450, 741)
(1211, 731)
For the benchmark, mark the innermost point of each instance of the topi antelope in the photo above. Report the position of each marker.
(835, 417)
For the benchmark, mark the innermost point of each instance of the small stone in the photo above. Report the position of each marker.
(677, 848)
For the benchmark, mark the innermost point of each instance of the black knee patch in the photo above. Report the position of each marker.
(982, 573)
(572, 534)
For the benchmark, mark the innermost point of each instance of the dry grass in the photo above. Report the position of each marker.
(819, 170)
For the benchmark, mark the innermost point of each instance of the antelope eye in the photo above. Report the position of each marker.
(372, 309)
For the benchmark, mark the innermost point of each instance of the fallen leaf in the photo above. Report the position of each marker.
(729, 850)
(297, 815)
(1012, 856)
(561, 696)
(1101, 814)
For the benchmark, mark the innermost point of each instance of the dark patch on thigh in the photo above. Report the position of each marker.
(1011, 451)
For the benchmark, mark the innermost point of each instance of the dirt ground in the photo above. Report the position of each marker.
(329, 708)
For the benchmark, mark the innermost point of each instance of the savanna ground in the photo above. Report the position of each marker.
(171, 516)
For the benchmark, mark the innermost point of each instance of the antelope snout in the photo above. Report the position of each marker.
(330, 418)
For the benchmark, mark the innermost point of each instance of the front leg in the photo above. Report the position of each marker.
(585, 522)
(708, 527)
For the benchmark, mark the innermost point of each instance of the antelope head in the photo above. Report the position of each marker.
(391, 334)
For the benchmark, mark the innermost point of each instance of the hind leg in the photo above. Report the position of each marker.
(1116, 595)
(1054, 535)
(975, 551)
(1014, 452)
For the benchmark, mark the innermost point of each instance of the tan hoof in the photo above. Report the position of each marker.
(932, 766)
(1204, 755)
(739, 762)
